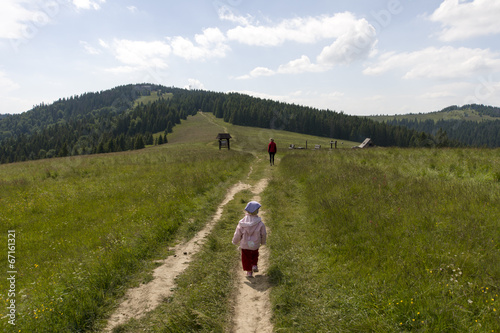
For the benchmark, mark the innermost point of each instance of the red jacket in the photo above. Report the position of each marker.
(271, 148)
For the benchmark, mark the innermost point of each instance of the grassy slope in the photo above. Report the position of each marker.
(151, 98)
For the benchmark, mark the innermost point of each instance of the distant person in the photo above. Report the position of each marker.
(250, 234)
(271, 149)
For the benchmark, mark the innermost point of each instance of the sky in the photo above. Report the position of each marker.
(360, 57)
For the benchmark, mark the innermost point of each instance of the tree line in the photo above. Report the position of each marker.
(244, 110)
(90, 124)
(108, 121)
(485, 133)
(468, 133)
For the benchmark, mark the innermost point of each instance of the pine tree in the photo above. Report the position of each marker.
(139, 142)
(64, 150)
(100, 148)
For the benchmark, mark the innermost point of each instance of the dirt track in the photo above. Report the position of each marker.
(252, 310)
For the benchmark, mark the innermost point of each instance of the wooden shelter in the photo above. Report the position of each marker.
(223, 140)
(368, 143)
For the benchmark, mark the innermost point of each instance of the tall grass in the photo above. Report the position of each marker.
(386, 240)
(85, 225)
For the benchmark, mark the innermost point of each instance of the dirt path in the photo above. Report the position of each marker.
(138, 301)
(252, 311)
(252, 308)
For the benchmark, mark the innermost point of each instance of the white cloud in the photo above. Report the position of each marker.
(261, 71)
(226, 14)
(467, 19)
(22, 19)
(139, 55)
(103, 44)
(211, 37)
(301, 30)
(438, 63)
(301, 65)
(209, 44)
(194, 84)
(357, 43)
(132, 9)
(355, 39)
(89, 48)
(17, 20)
(88, 4)
(257, 72)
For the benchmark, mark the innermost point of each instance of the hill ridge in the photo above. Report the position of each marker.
(471, 124)
(132, 116)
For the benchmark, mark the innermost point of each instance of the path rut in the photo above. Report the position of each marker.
(252, 309)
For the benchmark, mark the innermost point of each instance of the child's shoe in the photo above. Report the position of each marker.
(249, 274)
(255, 268)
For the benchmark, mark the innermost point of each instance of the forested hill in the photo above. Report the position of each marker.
(472, 124)
(126, 117)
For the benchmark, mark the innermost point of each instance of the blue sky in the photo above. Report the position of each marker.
(362, 57)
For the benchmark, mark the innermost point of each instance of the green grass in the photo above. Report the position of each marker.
(205, 290)
(386, 240)
(151, 98)
(379, 240)
(84, 226)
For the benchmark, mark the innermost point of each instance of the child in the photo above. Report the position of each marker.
(250, 234)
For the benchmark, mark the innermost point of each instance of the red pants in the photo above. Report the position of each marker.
(249, 258)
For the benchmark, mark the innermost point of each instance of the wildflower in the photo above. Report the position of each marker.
(469, 301)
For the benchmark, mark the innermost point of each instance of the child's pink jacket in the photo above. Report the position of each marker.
(250, 233)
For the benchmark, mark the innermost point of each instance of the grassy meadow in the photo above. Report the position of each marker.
(379, 240)
(386, 240)
(86, 226)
